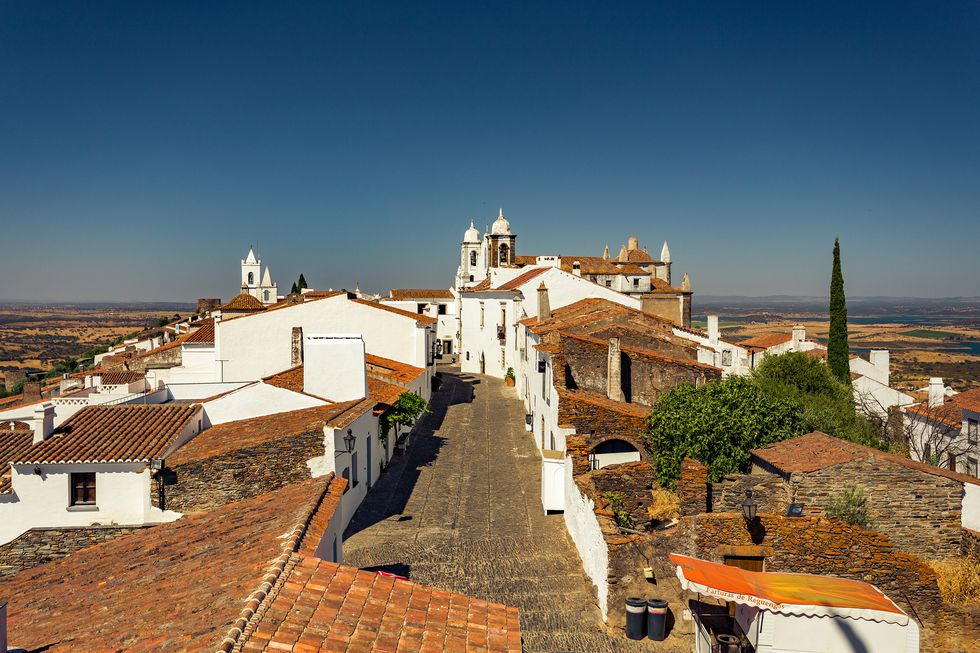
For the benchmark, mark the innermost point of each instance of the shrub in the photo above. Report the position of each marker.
(959, 580)
(510, 374)
(618, 507)
(850, 505)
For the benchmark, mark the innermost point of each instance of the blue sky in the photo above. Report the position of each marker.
(144, 146)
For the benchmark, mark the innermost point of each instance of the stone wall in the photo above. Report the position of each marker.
(241, 474)
(41, 545)
(920, 512)
(633, 483)
(770, 493)
(205, 304)
(169, 357)
(644, 378)
(692, 488)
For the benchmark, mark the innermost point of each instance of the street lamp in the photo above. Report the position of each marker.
(349, 440)
(750, 507)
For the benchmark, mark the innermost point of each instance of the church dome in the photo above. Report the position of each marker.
(471, 235)
(500, 226)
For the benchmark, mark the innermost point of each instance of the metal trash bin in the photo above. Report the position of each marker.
(656, 619)
(728, 644)
(636, 612)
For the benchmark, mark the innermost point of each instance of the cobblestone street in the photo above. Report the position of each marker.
(461, 511)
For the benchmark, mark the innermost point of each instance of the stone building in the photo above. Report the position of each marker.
(922, 508)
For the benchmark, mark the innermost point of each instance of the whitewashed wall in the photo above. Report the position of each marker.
(970, 516)
(584, 530)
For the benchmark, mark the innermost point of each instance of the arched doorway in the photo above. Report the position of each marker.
(612, 452)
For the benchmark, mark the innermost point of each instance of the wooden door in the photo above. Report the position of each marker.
(748, 563)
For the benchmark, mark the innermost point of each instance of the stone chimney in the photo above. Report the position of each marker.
(333, 367)
(799, 335)
(296, 347)
(937, 392)
(43, 422)
(632, 244)
(544, 304)
(32, 391)
(713, 333)
(614, 371)
(205, 304)
(577, 269)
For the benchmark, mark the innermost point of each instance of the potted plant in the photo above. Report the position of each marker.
(509, 377)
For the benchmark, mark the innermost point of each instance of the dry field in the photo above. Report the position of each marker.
(917, 351)
(34, 338)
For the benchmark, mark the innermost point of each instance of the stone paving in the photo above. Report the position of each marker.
(462, 511)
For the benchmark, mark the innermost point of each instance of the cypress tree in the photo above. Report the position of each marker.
(294, 289)
(302, 282)
(838, 353)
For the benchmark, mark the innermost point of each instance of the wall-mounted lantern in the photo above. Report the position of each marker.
(349, 440)
(750, 507)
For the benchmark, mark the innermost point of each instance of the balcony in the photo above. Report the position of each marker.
(501, 334)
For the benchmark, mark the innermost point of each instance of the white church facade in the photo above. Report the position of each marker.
(261, 287)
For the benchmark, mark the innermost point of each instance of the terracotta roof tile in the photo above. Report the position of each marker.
(122, 377)
(243, 302)
(113, 434)
(521, 279)
(766, 340)
(404, 294)
(180, 586)
(392, 369)
(246, 433)
(205, 334)
(291, 379)
(817, 450)
(14, 444)
(325, 606)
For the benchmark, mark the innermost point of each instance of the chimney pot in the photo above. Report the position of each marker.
(799, 335)
(43, 422)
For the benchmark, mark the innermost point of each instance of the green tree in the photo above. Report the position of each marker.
(717, 423)
(838, 354)
(851, 505)
(403, 412)
(828, 404)
(301, 284)
(294, 290)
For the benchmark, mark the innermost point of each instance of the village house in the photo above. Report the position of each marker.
(436, 303)
(922, 508)
(249, 576)
(94, 469)
(946, 429)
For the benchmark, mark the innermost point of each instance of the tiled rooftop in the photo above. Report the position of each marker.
(181, 586)
(122, 377)
(766, 340)
(112, 434)
(951, 412)
(242, 434)
(421, 319)
(204, 334)
(817, 450)
(521, 279)
(13, 445)
(243, 302)
(325, 606)
(391, 369)
(405, 294)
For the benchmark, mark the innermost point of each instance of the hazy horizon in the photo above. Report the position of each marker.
(147, 147)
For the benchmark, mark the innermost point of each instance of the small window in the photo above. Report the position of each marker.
(421, 309)
(82, 489)
(726, 358)
(971, 431)
(471, 277)
(971, 466)
(442, 309)
(353, 465)
(636, 282)
(481, 314)
(251, 278)
(346, 474)
(608, 283)
(265, 294)
(472, 261)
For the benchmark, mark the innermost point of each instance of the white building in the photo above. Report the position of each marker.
(262, 288)
(441, 305)
(96, 468)
(948, 429)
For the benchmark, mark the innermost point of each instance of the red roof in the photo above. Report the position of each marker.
(122, 377)
(13, 445)
(104, 434)
(521, 279)
(242, 302)
(421, 319)
(766, 340)
(325, 606)
(188, 585)
(393, 370)
(817, 450)
(205, 334)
